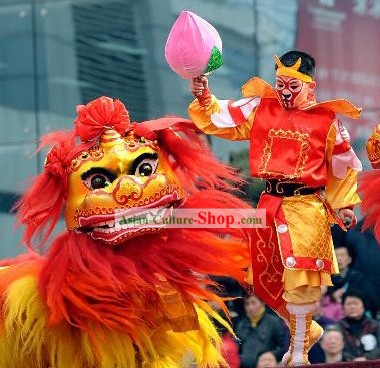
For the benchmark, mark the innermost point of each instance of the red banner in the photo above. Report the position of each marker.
(343, 37)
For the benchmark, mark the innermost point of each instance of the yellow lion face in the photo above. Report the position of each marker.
(116, 188)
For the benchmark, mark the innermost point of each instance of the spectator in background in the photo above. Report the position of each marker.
(348, 278)
(266, 360)
(332, 344)
(361, 333)
(259, 331)
(365, 251)
(329, 307)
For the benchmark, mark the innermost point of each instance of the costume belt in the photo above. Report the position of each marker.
(289, 189)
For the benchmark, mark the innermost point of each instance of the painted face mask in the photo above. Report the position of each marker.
(288, 91)
(292, 85)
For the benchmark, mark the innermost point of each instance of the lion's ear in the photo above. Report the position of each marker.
(41, 206)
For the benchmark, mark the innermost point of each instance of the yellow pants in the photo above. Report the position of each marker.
(304, 286)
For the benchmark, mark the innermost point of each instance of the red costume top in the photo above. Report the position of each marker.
(304, 135)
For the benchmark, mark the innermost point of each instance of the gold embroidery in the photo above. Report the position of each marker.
(272, 166)
(270, 276)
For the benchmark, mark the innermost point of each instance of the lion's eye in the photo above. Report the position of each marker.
(144, 165)
(98, 181)
(97, 178)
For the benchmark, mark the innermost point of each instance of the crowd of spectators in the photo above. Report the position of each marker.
(349, 311)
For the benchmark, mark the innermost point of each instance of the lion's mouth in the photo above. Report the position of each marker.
(126, 223)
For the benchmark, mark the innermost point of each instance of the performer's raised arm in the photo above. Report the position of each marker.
(226, 119)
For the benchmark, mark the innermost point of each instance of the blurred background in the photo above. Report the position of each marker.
(59, 53)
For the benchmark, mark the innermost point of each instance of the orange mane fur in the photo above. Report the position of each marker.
(370, 195)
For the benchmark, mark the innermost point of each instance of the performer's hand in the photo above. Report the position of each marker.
(198, 85)
(348, 217)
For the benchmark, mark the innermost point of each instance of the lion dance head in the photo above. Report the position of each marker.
(142, 285)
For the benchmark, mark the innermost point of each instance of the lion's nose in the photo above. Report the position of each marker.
(127, 189)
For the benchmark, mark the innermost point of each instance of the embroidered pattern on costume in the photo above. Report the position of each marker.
(271, 167)
(268, 259)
